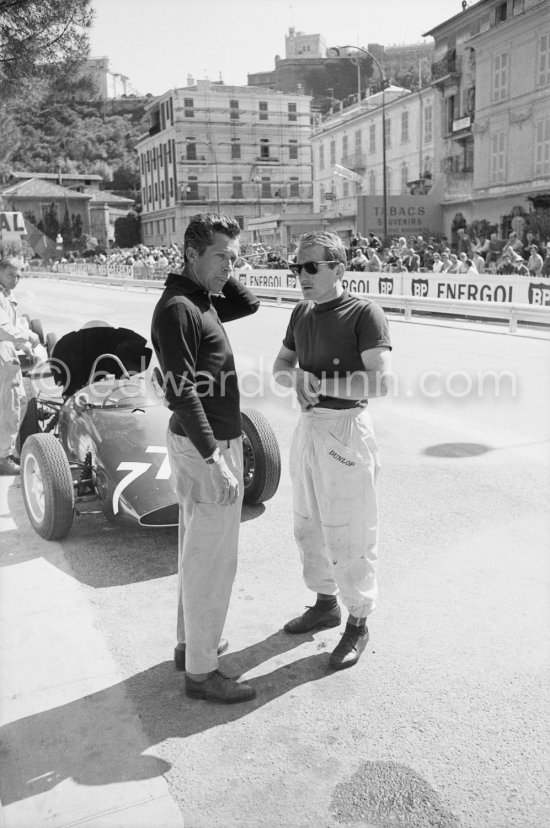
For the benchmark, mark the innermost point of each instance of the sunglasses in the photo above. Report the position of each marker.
(310, 267)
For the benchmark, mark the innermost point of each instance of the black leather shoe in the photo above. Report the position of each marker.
(314, 619)
(348, 651)
(179, 655)
(219, 688)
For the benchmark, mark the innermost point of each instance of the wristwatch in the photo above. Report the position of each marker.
(214, 458)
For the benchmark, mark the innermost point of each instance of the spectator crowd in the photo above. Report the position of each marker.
(527, 256)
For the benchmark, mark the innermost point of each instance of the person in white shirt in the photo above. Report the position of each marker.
(14, 336)
(437, 266)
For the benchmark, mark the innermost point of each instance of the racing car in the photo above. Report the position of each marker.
(99, 435)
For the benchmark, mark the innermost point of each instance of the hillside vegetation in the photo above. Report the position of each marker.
(61, 132)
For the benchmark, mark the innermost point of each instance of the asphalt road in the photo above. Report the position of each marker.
(445, 720)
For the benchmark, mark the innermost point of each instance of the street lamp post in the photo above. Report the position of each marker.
(336, 52)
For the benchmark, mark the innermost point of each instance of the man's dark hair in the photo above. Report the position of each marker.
(200, 231)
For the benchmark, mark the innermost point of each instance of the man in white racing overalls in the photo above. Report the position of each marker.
(335, 355)
(14, 335)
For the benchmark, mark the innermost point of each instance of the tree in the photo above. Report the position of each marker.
(40, 39)
(49, 223)
(76, 221)
(66, 230)
(128, 230)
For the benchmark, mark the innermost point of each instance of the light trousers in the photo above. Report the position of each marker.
(334, 466)
(208, 540)
(13, 405)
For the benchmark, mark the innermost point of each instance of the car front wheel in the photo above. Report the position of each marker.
(47, 486)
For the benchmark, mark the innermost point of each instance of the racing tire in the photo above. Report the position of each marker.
(262, 458)
(47, 486)
(30, 424)
(51, 342)
(36, 327)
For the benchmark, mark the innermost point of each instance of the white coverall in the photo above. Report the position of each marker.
(334, 465)
(14, 333)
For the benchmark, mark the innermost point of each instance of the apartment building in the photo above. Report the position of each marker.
(492, 74)
(348, 154)
(235, 149)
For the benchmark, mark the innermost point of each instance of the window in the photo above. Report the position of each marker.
(172, 115)
(171, 186)
(333, 152)
(263, 110)
(161, 155)
(428, 124)
(154, 156)
(404, 127)
(142, 162)
(358, 141)
(292, 112)
(500, 13)
(404, 178)
(150, 199)
(235, 148)
(144, 194)
(156, 192)
(500, 77)
(543, 62)
(372, 183)
(372, 138)
(169, 151)
(237, 187)
(234, 110)
(192, 189)
(188, 108)
(450, 112)
(162, 190)
(542, 147)
(294, 188)
(345, 187)
(387, 125)
(173, 219)
(293, 149)
(266, 187)
(191, 149)
(321, 157)
(321, 193)
(264, 147)
(498, 157)
(344, 146)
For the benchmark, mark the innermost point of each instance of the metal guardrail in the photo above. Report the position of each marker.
(513, 313)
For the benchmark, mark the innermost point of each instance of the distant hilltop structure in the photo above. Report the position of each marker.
(305, 57)
(108, 85)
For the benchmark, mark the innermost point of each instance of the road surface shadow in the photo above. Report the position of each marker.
(457, 450)
(98, 553)
(96, 740)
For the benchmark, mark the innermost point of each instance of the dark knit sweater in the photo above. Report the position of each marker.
(196, 359)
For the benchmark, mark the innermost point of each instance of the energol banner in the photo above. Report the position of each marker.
(482, 288)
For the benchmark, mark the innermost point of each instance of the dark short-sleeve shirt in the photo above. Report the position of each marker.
(329, 338)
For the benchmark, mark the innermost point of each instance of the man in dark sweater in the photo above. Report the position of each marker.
(204, 443)
(335, 354)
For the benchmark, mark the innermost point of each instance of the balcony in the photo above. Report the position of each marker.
(356, 161)
(459, 184)
(445, 71)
